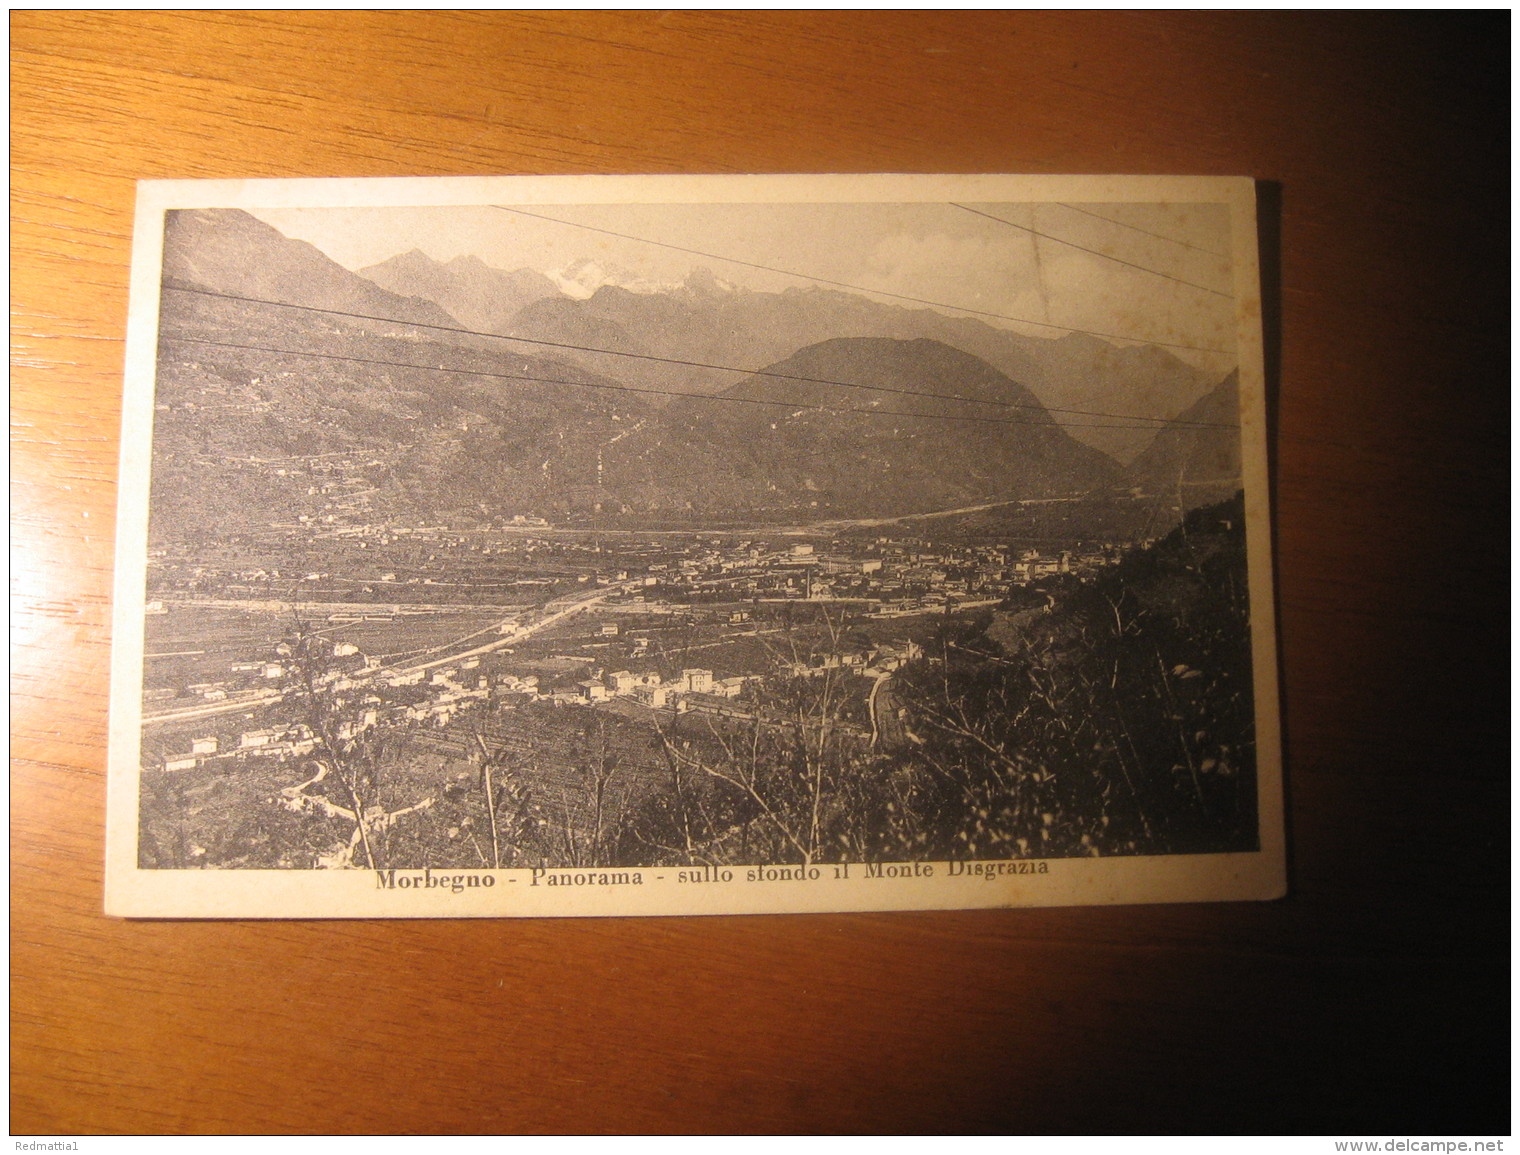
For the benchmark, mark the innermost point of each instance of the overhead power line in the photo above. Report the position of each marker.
(865, 288)
(1156, 421)
(620, 388)
(1094, 252)
(1138, 229)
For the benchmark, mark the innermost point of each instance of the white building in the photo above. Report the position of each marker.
(655, 697)
(728, 687)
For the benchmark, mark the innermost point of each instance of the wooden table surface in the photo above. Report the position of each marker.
(1373, 999)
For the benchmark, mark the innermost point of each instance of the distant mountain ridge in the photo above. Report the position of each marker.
(906, 444)
(234, 252)
(1201, 446)
(482, 297)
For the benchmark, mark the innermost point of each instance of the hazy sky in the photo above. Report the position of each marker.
(951, 256)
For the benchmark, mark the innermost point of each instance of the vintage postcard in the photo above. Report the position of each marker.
(692, 545)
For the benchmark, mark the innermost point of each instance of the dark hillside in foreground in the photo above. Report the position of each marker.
(1112, 718)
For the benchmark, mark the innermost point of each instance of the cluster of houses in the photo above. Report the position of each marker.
(449, 690)
(650, 690)
(883, 578)
(280, 742)
(900, 575)
(887, 578)
(252, 679)
(873, 662)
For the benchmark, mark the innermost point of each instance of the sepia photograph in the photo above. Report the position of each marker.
(693, 545)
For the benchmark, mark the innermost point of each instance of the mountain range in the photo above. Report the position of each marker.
(229, 251)
(481, 297)
(705, 322)
(267, 413)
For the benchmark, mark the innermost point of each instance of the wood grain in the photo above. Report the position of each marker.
(1371, 1000)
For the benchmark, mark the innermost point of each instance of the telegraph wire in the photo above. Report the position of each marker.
(1138, 229)
(875, 292)
(620, 388)
(660, 360)
(1158, 422)
(1094, 252)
